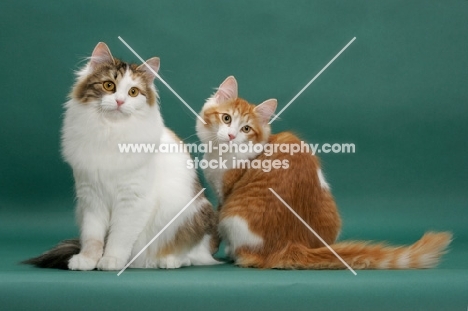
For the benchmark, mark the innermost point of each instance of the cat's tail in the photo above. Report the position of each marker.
(57, 257)
(423, 254)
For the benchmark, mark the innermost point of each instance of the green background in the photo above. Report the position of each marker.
(399, 93)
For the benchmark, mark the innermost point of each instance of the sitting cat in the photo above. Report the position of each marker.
(124, 199)
(258, 229)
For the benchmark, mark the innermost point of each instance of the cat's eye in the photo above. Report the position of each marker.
(246, 129)
(108, 86)
(133, 92)
(226, 118)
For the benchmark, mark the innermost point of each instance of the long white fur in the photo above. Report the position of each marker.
(124, 199)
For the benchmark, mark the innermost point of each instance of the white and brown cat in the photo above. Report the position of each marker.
(258, 229)
(124, 200)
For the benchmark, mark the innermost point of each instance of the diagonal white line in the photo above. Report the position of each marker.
(312, 230)
(313, 79)
(162, 80)
(160, 232)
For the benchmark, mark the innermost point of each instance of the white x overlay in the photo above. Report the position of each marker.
(201, 119)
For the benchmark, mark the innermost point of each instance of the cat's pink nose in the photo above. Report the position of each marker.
(119, 102)
(231, 136)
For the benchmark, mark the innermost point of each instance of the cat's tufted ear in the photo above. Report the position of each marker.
(266, 110)
(227, 90)
(101, 54)
(153, 63)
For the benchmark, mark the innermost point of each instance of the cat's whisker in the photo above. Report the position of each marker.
(184, 139)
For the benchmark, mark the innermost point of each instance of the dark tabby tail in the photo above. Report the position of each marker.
(57, 257)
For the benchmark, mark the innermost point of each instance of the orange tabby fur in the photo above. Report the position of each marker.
(247, 196)
(287, 243)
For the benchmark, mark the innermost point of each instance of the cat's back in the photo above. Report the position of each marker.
(284, 138)
(298, 183)
(302, 167)
(296, 176)
(296, 166)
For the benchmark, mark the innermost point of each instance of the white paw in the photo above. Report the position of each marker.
(169, 262)
(80, 262)
(149, 264)
(111, 263)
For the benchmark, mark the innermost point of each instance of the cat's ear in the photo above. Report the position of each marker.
(153, 63)
(101, 54)
(266, 110)
(227, 90)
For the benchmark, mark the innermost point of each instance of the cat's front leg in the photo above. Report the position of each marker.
(93, 219)
(127, 222)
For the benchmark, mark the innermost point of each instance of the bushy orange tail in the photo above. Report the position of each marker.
(423, 254)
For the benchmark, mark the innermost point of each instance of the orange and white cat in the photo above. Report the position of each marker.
(259, 231)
